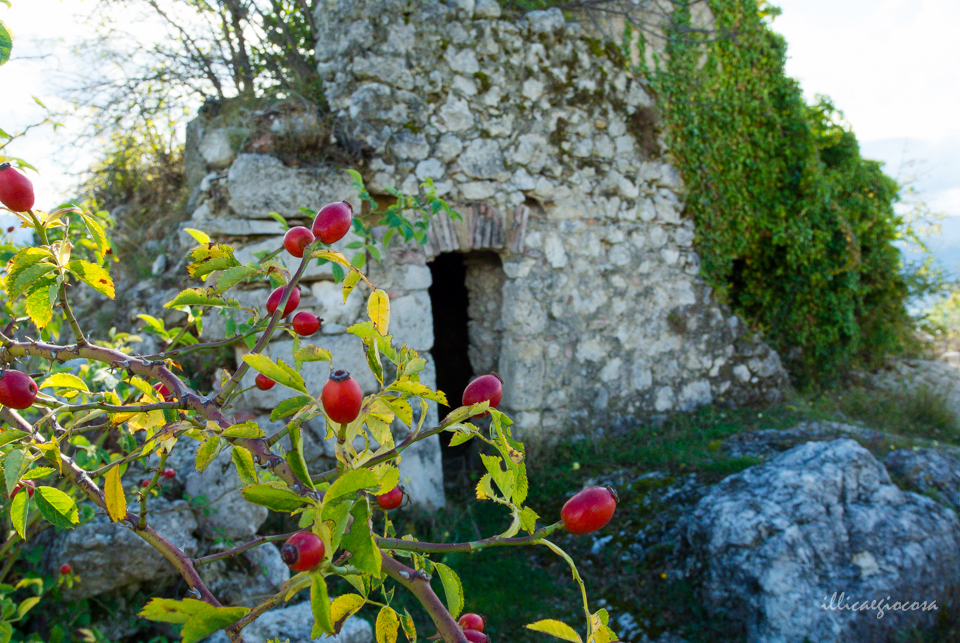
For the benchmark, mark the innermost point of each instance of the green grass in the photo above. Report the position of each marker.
(516, 586)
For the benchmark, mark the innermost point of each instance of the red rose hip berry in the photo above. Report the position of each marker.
(476, 637)
(65, 569)
(333, 222)
(303, 551)
(16, 190)
(169, 474)
(162, 390)
(306, 324)
(263, 382)
(342, 397)
(392, 499)
(274, 300)
(486, 388)
(471, 621)
(17, 390)
(29, 485)
(589, 510)
(296, 240)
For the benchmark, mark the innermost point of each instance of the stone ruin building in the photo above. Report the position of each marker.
(573, 273)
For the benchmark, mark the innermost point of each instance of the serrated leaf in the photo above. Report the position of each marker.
(557, 629)
(273, 495)
(27, 277)
(461, 437)
(279, 372)
(528, 520)
(11, 435)
(21, 261)
(290, 406)
(295, 458)
(51, 451)
(401, 408)
(363, 330)
(116, 499)
(232, 276)
(350, 483)
(485, 488)
(200, 236)
(359, 542)
(96, 232)
(65, 380)
(349, 283)
(16, 461)
(94, 276)
(389, 479)
(244, 430)
(409, 628)
(452, 589)
(57, 507)
(201, 297)
(39, 305)
(420, 390)
(207, 452)
(342, 608)
(334, 257)
(18, 514)
(388, 625)
(209, 620)
(504, 479)
(168, 610)
(243, 461)
(378, 309)
(320, 606)
(521, 485)
(6, 43)
(38, 472)
(311, 353)
(210, 258)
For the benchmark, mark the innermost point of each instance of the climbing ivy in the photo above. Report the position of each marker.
(795, 229)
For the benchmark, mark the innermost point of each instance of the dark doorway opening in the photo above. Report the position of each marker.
(450, 301)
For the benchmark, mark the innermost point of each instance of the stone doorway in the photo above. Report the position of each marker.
(466, 298)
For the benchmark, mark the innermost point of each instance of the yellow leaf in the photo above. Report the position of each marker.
(116, 500)
(387, 626)
(343, 607)
(557, 629)
(378, 309)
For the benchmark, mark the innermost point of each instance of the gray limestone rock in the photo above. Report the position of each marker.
(295, 623)
(255, 573)
(108, 556)
(780, 545)
(221, 511)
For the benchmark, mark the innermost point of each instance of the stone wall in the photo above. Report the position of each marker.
(595, 315)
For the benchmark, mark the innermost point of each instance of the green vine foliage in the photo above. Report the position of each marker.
(794, 228)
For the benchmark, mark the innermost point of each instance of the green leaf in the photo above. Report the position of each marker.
(245, 430)
(279, 372)
(295, 459)
(452, 589)
(28, 277)
(210, 258)
(96, 232)
(201, 297)
(420, 390)
(363, 330)
(290, 406)
(14, 464)
(116, 499)
(207, 452)
(279, 219)
(311, 353)
(6, 632)
(39, 304)
(350, 483)
(57, 507)
(10, 435)
(200, 236)
(409, 629)
(243, 460)
(38, 472)
(320, 606)
(357, 179)
(23, 260)
(18, 514)
(401, 408)
(65, 380)
(528, 520)
(273, 495)
(168, 610)
(349, 283)
(94, 276)
(359, 542)
(209, 620)
(232, 276)
(388, 624)
(26, 605)
(557, 629)
(461, 437)
(504, 479)
(6, 44)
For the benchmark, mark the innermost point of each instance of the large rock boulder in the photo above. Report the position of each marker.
(253, 574)
(294, 623)
(932, 472)
(788, 547)
(108, 556)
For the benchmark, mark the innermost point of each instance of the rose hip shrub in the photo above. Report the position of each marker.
(97, 438)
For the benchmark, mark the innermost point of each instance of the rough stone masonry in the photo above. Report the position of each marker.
(587, 298)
